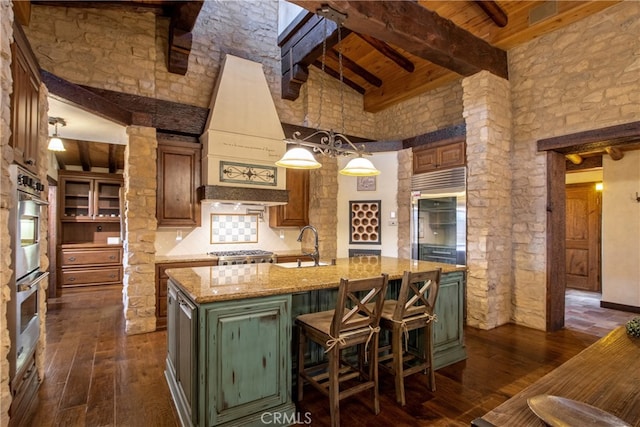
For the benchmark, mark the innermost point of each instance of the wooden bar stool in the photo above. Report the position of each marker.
(414, 309)
(354, 322)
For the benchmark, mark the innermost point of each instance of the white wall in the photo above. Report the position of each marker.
(621, 230)
(386, 191)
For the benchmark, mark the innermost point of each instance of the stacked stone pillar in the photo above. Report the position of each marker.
(405, 172)
(487, 114)
(323, 207)
(140, 227)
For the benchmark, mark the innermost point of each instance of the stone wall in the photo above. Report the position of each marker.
(585, 76)
(487, 112)
(6, 201)
(323, 208)
(139, 287)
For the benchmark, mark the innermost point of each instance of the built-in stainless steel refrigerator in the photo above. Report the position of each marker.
(438, 219)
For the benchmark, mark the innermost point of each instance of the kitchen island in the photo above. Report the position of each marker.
(230, 357)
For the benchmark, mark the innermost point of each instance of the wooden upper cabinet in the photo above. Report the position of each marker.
(90, 197)
(25, 114)
(296, 212)
(178, 182)
(431, 158)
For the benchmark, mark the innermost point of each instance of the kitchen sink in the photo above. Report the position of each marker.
(303, 264)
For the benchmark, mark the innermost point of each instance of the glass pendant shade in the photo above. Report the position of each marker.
(298, 158)
(359, 166)
(55, 144)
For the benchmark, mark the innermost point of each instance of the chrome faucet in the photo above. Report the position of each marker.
(315, 254)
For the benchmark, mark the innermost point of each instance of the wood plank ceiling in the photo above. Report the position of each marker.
(438, 42)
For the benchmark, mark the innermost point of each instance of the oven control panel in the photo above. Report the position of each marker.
(28, 182)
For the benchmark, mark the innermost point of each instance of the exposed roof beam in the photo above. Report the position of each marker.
(85, 99)
(389, 52)
(592, 140)
(301, 49)
(494, 12)
(61, 164)
(183, 19)
(355, 68)
(592, 162)
(113, 166)
(333, 73)
(420, 31)
(614, 153)
(576, 159)
(85, 156)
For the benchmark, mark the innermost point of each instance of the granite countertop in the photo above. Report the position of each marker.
(231, 282)
(165, 259)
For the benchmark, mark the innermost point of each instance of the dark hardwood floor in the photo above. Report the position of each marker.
(98, 376)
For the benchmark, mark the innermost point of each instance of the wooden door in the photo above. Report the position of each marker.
(583, 210)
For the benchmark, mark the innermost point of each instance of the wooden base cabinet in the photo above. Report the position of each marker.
(228, 362)
(162, 284)
(90, 266)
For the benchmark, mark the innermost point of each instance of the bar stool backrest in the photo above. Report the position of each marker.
(351, 310)
(418, 293)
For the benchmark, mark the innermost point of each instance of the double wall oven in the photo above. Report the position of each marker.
(23, 315)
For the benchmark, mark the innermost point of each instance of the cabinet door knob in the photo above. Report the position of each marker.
(112, 257)
(71, 258)
(72, 279)
(112, 275)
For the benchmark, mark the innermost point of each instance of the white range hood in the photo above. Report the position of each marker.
(243, 139)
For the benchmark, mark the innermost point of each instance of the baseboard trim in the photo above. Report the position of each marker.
(621, 307)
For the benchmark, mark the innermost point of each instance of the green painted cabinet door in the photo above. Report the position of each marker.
(448, 344)
(246, 359)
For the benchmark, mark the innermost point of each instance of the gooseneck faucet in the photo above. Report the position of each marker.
(315, 254)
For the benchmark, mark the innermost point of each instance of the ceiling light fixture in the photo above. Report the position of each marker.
(331, 144)
(55, 143)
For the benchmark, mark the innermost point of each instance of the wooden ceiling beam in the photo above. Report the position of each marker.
(494, 12)
(85, 155)
(302, 49)
(183, 19)
(85, 99)
(336, 75)
(113, 160)
(61, 165)
(614, 153)
(389, 52)
(592, 162)
(417, 30)
(576, 159)
(592, 140)
(355, 68)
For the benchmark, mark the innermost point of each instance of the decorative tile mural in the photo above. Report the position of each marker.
(234, 228)
(245, 173)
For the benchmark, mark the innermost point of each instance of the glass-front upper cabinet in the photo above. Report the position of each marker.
(90, 197)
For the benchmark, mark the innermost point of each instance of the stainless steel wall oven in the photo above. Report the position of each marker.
(23, 315)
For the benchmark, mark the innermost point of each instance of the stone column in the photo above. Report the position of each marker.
(323, 208)
(487, 113)
(140, 227)
(6, 157)
(405, 172)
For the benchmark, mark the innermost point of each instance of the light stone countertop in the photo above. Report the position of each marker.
(232, 282)
(166, 259)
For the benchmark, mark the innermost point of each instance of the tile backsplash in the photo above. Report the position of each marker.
(195, 241)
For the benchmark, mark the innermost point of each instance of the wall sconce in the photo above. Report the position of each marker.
(55, 143)
(599, 186)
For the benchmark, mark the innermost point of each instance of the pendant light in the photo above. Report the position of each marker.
(330, 144)
(55, 143)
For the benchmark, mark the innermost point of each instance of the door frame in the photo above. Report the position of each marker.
(626, 135)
